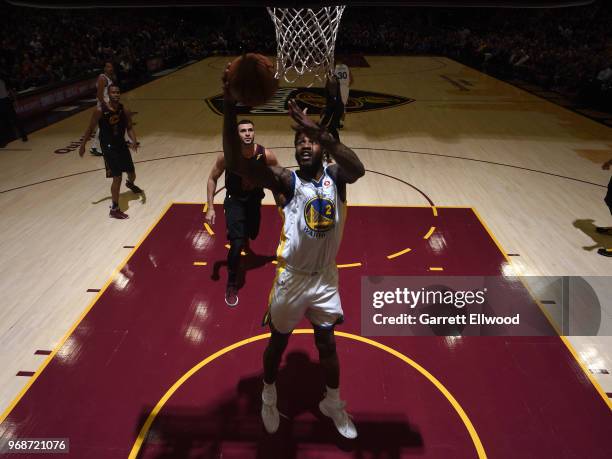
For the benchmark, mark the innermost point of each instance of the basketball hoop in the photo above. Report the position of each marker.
(305, 41)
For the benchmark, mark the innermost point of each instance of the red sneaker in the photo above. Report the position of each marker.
(116, 213)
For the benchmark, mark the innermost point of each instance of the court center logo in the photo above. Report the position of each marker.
(314, 100)
(320, 216)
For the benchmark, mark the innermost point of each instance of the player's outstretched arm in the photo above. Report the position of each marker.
(348, 167)
(275, 178)
(95, 117)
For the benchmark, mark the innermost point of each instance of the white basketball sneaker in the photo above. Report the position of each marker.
(335, 409)
(269, 412)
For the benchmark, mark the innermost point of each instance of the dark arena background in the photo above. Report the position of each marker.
(485, 131)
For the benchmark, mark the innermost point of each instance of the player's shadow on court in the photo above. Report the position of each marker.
(233, 425)
(248, 262)
(125, 198)
(588, 227)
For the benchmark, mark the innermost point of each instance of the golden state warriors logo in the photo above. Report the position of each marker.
(320, 216)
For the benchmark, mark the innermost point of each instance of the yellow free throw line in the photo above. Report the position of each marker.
(199, 263)
(205, 207)
(436, 269)
(397, 254)
(435, 211)
(209, 229)
(349, 265)
(430, 232)
(431, 378)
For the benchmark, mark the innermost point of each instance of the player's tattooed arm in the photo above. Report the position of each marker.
(348, 167)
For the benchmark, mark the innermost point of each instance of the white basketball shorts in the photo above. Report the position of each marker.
(296, 295)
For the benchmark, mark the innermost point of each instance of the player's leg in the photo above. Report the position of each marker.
(607, 251)
(131, 178)
(324, 313)
(253, 220)
(95, 144)
(271, 362)
(285, 311)
(115, 211)
(235, 218)
(114, 171)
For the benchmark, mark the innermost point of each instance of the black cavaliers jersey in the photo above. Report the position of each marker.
(237, 187)
(113, 125)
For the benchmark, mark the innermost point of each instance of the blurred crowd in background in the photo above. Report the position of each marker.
(568, 50)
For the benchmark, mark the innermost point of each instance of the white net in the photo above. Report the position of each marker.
(306, 39)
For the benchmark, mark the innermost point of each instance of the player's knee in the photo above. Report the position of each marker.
(326, 343)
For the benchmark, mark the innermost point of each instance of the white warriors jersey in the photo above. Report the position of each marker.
(342, 72)
(313, 222)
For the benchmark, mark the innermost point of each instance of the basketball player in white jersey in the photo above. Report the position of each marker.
(345, 77)
(104, 81)
(312, 202)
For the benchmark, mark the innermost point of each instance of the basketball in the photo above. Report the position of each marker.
(251, 79)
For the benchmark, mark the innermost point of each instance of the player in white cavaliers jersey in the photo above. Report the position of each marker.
(104, 81)
(345, 77)
(312, 201)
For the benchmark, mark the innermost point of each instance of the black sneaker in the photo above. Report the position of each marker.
(605, 252)
(24, 138)
(231, 296)
(133, 187)
(95, 152)
(604, 230)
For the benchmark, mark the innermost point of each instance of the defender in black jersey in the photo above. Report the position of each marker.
(242, 203)
(113, 119)
(607, 251)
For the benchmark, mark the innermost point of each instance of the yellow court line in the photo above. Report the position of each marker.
(397, 254)
(199, 263)
(205, 207)
(431, 378)
(209, 229)
(430, 232)
(435, 211)
(81, 317)
(349, 265)
(436, 269)
(565, 341)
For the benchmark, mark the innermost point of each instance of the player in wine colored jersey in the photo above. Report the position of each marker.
(312, 201)
(113, 120)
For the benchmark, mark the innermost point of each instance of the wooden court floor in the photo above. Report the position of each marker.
(531, 170)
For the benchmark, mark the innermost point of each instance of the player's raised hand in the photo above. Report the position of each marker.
(303, 122)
